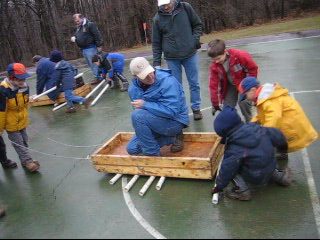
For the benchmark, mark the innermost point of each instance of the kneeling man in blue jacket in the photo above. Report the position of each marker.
(160, 111)
(249, 156)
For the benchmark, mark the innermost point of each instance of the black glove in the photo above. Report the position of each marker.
(215, 109)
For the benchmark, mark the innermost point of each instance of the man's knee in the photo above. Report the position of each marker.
(133, 148)
(139, 115)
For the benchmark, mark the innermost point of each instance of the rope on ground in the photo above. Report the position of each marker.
(64, 144)
(48, 154)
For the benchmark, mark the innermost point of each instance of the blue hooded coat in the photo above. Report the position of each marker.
(250, 151)
(64, 74)
(165, 98)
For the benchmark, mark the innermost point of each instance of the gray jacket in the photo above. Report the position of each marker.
(176, 34)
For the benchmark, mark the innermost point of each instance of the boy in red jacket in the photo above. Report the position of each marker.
(228, 68)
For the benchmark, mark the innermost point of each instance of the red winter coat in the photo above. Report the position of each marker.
(241, 66)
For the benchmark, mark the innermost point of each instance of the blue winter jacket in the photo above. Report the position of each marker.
(165, 98)
(64, 75)
(45, 71)
(117, 62)
(250, 152)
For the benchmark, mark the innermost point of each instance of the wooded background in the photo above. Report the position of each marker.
(29, 27)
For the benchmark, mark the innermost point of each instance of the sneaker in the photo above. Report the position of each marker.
(238, 194)
(197, 115)
(71, 110)
(282, 177)
(32, 166)
(178, 144)
(95, 82)
(9, 164)
(124, 87)
(2, 212)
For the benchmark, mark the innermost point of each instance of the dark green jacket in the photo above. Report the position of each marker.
(177, 34)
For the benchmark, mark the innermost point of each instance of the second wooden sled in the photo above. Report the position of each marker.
(45, 100)
(199, 160)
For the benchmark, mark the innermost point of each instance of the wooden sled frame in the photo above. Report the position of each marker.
(112, 157)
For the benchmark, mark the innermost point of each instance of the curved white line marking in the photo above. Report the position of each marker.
(136, 213)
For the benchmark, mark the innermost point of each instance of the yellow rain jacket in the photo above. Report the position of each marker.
(13, 107)
(276, 108)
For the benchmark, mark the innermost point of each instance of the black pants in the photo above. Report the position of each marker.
(3, 152)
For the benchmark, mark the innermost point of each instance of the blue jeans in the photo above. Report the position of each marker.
(191, 66)
(88, 54)
(72, 98)
(152, 133)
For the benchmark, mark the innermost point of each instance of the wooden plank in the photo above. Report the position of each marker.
(216, 159)
(45, 100)
(188, 137)
(186, 163)
(107, 147)
(159, 172)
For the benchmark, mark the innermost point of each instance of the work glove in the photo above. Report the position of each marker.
(215, 109)
(215, 190)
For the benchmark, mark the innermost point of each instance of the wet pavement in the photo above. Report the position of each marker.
(69, 199)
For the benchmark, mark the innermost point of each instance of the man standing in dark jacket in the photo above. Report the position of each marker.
(89, 40)
(176, 32)
(249, 155)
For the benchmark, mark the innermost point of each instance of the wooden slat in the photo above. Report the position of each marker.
(175, 162)
(159, 172)
(45, 100)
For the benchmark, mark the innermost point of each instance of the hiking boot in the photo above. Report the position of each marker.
(238, 194)
(9, 164)
(87, 102)
(124, 87)
(71, 110)
(95, 82)
(197, 115)
(2, 212)
(178, 144)
(282, 177)
(32, 166)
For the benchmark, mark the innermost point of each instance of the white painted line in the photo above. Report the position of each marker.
(312, 188)
(311, 91)
(274, 41)
(137, 215)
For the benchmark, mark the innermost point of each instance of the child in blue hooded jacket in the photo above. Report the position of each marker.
(249, 155)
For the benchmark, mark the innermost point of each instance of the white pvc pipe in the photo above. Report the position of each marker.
(95, 89)
(160, 183)
(60, 106)
(131, 183)
(100, 94)
(215, 198)
(45, 93)
(145, 188)
(115, 179)
(78, 76)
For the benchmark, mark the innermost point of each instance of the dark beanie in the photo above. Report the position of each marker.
(226, 121)
(56, 56)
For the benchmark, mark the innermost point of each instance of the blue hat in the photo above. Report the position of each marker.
(246, 84)
(18, 70)
(56, 56)
(227, 120)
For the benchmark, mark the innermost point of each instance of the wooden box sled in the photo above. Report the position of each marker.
(45, 100)
(199, 160)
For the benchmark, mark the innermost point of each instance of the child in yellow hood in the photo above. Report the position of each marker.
(276, 108)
